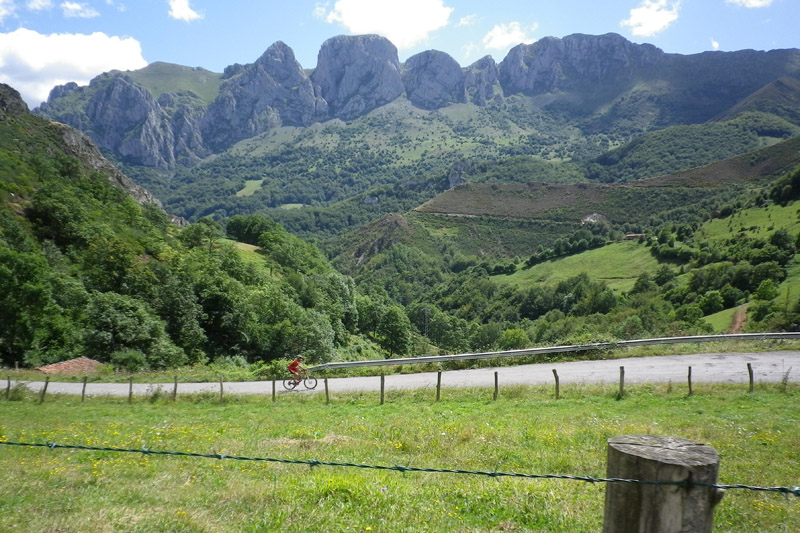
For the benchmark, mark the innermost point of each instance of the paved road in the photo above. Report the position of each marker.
(706, 368)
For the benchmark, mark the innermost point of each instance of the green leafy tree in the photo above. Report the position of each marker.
(395, 331)
(514, 339)
(711, 302)
(116, 323)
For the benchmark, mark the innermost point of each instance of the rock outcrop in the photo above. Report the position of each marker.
(552, 64)
(271, 92)
(11, 103)
(480, 81)
(126, 119)
(433, 79)
(356, 74)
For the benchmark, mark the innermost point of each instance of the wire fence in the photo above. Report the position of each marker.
(686, 484)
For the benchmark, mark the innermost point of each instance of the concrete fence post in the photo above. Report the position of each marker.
(657, 506)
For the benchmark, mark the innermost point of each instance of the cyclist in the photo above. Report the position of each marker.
(296, 366)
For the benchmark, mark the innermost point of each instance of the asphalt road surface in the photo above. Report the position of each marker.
(770, 367)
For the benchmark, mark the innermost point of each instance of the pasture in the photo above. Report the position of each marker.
(525, 430)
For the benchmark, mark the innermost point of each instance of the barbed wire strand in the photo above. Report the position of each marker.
(403, 469)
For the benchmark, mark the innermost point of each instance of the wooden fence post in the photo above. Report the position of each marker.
(750, 373)
(691, 392)
(327, 395)
(44, 389)
(558, 383)
(8, 388)
(383, 381)
(496, 386)
(83, 389)
(438, 385)
(130, 390)
(221, 391)
(175, 390)
(621, 382)
(273, 390)
(656, 507)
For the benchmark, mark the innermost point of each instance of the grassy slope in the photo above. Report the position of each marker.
(160, 77)
(617, 264)
(757, 436)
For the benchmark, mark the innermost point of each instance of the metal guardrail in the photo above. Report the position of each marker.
(559, 349)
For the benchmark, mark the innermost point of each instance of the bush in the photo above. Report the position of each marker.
(129, 359)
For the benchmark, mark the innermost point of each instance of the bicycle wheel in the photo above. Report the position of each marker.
(289, 384)
(310, 383)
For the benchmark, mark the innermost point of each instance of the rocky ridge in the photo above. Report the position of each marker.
(356, 74)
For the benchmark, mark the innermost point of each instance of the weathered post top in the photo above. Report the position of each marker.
(669, 500)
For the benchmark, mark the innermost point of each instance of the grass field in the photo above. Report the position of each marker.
(617, 264)
(525, 430)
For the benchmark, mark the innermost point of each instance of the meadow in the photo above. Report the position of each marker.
(525, 430)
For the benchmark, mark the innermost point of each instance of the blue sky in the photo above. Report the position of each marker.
(44, 43)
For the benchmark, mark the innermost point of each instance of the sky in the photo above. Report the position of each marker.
(44, 43)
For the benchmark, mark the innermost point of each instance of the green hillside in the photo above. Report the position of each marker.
(618, 265)
(87, 271)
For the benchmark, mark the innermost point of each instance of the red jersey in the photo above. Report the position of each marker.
(293, 365)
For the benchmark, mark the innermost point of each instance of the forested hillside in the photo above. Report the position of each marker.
(87, 270)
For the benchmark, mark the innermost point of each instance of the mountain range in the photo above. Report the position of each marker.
(362, 134)
(605, 78)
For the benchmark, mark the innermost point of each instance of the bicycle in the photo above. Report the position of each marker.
(308, 381)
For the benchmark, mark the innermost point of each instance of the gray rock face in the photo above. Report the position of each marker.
(61, 91)
(480, 79)
(186, 112)
(433, 79)
(356, 74)
(11, 103)
(271, 92)
(552, 64)
(126, 119)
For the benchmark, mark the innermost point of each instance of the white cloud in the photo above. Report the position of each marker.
(75, 9)
(714, 44)
(469, 20)
(181, 10)
(749, 3)
(6, 8)
(34, 63)
(504, 36)
(320, 10)
(652, 17)
(404, 22)
(39, 5)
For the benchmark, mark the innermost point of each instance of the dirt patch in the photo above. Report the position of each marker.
(79, 365)
(739, 318)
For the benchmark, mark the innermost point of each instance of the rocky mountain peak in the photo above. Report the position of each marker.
(433, 79)
(480, 79)
(357, 73)
(552, 64)
(273, 91)
(11, 103)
